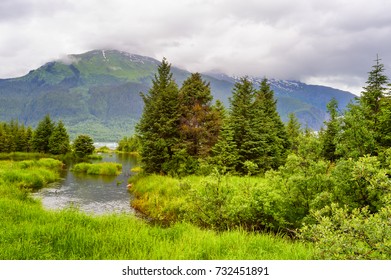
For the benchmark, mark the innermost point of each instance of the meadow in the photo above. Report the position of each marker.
(28, 231)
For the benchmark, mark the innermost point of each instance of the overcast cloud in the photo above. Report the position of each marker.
(323, 42)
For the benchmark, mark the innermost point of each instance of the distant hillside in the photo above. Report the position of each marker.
(98, 93)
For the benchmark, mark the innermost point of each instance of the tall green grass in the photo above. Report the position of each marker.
(222, 202)
(30, 173)
(28, 231)
(101, 168)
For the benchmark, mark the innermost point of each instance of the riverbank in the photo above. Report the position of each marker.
(30, 232)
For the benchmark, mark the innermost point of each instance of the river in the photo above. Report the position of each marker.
(94, 194)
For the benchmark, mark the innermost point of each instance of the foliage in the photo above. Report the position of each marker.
(158, 126)
(129, 144)
(200, 122)
(15, 137)
(42, 133)
(59, 140)
(83, 146)
(101, 168)
(330, 135)
(346, 235)
(46, 138)
(357, 138)
(361, 183)
(365, 124)
(216, 201)
(293, 132)
(29, 232)
(254, 131)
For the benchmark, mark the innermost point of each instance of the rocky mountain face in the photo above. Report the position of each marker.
(98, 93)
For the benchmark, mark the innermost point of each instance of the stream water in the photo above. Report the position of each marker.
(92, 193)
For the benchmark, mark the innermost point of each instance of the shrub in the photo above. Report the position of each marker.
(350, 235)
(83, 146)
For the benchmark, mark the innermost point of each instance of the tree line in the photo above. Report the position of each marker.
(48, 137)
(180, 129)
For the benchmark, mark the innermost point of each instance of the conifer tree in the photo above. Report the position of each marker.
(329, 136)
(225, 153)
(276, 139)
(199, 122)
(59, 140)
(365, 122)
(375, 90)
(240, 121)
(42, 133)
(293, 132)
(158, 126)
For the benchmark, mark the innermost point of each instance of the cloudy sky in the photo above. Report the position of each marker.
(331, 42)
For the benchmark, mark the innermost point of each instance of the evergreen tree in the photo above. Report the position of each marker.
(225, 153)
(365, 123)
(42, 133)
(28, 139)
(384, 133)
(158, 126)
(83, 146)
(199, 122)
(329, 137)
(293, 132)
(254, 129)
(375, 91)
(59, 140)
(240, 121)
(276, 139)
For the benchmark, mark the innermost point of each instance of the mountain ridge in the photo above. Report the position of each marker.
(97, 93)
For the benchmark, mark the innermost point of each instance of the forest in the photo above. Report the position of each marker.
(242, 167)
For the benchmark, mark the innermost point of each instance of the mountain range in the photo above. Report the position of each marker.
(98, 93)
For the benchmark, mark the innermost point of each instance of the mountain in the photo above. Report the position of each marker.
(98, 93)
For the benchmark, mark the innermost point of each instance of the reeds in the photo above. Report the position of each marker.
(101, 168)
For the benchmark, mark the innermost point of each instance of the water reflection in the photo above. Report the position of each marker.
(92, 193)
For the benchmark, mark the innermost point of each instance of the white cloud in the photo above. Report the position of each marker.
(325, 41)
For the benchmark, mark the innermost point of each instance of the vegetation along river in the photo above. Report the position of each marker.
(92, 193)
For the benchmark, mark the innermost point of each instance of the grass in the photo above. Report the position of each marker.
(104, 149)
(101, 168)
(198, 199)
(30, 232)
(21, 156)
(136, 169)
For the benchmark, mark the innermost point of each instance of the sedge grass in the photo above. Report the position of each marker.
(30, 232)
(101, 168)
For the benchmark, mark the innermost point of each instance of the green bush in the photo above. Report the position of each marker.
(361, 183)
(350, 235)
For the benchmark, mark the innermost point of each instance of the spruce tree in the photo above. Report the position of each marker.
(375, 91)
(200, 123)
(276, 139)
(42, 133)
(225, 153)
(59, 140)
(365, 123)
(293, 132)
(158, 126)
(329, 136)
(240, 122)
